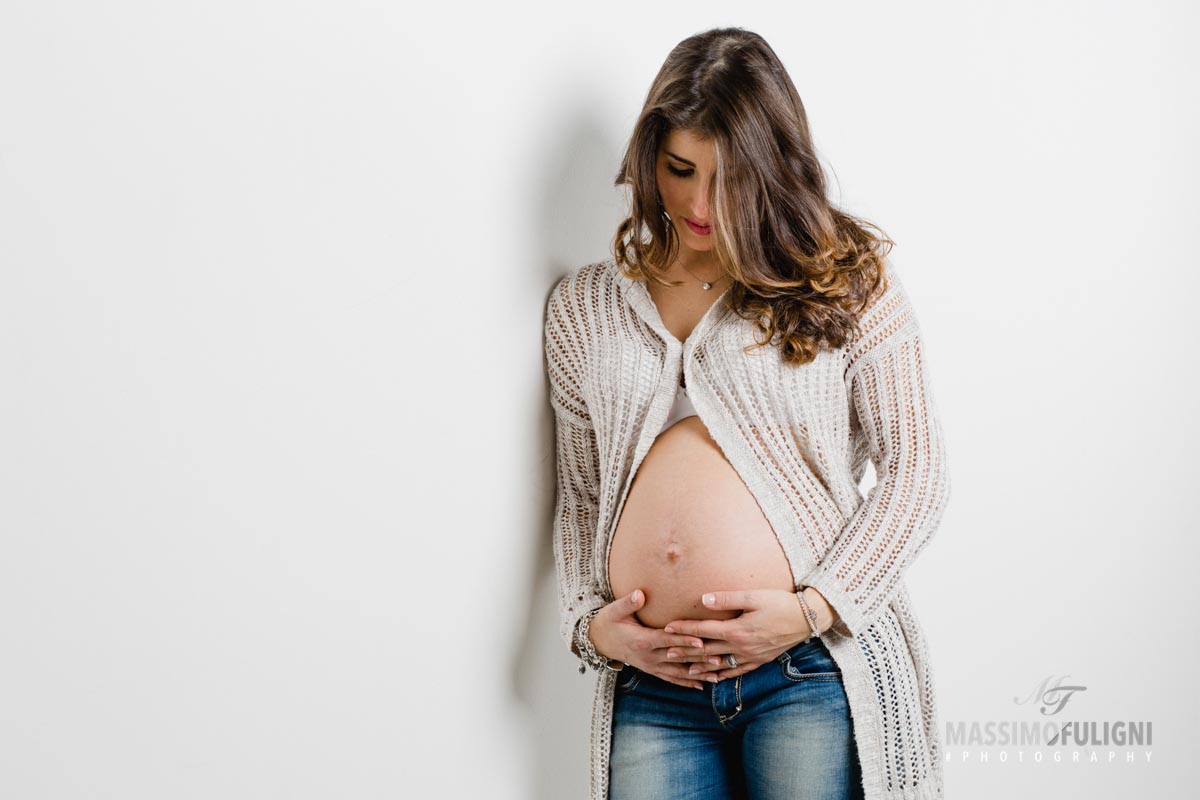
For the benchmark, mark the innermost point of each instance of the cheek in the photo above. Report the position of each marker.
(670, 194)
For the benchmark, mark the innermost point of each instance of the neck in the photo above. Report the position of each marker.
(697, 268)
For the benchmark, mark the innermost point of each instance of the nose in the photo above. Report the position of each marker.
(701, 206)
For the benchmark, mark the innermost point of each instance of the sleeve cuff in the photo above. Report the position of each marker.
(851, 621)
(592, 603)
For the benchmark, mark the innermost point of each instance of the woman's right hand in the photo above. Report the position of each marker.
(617, 634)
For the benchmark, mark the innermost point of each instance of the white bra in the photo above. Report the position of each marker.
(682, 407)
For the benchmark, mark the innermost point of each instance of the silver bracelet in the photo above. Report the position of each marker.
(808, 612)
(588, 650)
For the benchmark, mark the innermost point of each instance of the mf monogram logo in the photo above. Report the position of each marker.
(1051, 694)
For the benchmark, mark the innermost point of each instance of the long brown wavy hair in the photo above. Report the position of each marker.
(801, 269)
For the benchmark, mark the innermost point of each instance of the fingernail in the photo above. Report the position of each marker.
(714, 660)
(697, 643)
(669, 629)
(671, 655)
(693, 671)
(711, 679)
(708, 599)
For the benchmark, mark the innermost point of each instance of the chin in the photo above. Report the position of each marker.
(693, 241)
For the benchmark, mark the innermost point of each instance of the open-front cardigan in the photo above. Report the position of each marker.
(799, 437)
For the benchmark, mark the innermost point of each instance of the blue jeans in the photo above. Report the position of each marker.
(782, 730)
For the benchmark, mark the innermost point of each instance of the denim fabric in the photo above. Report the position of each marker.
(782, 730)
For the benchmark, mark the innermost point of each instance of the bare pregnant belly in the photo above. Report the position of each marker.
(689, 526)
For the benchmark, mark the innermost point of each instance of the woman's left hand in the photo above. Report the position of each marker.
(771, 623)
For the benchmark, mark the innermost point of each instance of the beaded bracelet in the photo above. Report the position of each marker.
(588, 650)
(808, 612)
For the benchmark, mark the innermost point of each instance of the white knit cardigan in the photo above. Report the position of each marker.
(799, 437)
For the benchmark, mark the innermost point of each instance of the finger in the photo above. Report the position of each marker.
(704, 628)
(633, 601)
(740, 669)
(704, 676)
(697, 653)
(702, 669)
(731, 600)
(709, 664)
(679, 640)
(678, 676)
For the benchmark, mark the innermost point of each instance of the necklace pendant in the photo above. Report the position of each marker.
(707, 285)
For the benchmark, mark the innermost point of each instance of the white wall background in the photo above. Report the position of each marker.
(274, 439)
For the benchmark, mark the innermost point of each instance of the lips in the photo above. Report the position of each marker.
(700, 229)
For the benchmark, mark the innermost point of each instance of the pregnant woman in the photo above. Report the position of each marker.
(718, 387)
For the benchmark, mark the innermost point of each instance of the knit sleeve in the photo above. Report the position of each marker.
(888, 382)
(576, 455)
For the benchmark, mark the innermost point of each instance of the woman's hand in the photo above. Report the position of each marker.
(771, 623)
(617, 634)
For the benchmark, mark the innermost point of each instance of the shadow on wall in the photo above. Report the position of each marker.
(579, 213)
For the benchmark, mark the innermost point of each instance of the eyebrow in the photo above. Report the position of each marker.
(677, 158)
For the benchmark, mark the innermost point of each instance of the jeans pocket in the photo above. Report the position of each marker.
(809, 661)
(626, 683)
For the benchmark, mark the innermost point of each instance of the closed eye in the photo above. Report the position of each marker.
(683, 173)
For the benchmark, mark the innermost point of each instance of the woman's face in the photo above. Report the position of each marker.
(687, 165)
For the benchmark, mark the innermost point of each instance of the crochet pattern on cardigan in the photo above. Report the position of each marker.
(799, 437)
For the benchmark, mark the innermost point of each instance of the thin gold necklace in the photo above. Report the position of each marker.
(706, 284)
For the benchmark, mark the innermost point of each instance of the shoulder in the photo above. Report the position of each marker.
(583, 284)
(573, 313)
(888, 319)
(581, 294)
